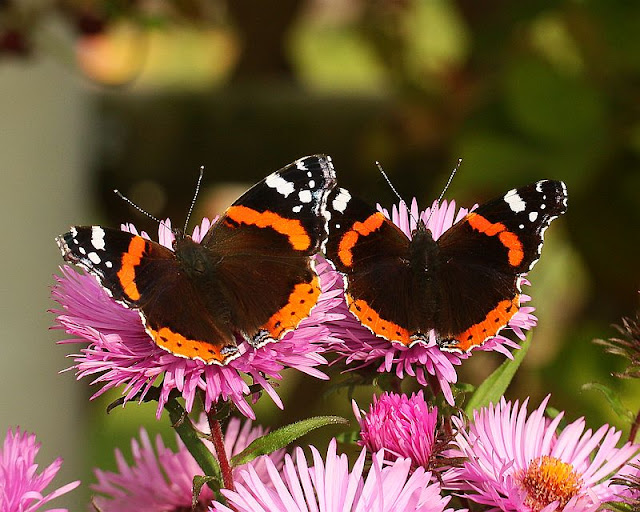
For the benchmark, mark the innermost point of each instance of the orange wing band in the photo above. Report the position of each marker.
(291, 228)
(181, 346)
(302, 299)
(507, 238)
(380, 327)
(349, 239)
(130, 260)
(495, 320)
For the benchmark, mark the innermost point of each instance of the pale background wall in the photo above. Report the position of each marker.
(45, 142)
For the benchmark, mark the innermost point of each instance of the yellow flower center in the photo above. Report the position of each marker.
(548, 479)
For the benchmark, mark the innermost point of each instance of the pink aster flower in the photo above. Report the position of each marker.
(358, 346)
(120, 352)
(402, 426)
(161, 479)
(329, 486)
(519, 463)
(21, 488)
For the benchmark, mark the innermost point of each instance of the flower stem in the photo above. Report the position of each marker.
(182, 424)
(635, 426)
(218, 444)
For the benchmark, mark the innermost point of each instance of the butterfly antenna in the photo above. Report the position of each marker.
(384, 174)
(193, 201)
(453, 173)
(131, 203)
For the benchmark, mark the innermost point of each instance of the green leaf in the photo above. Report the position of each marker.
(497, 383)
(348, 437)
(282, 437)
(551, 412)
(617, 507)
(613, 398)
(199, 482)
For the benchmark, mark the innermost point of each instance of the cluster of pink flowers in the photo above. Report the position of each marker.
(162, 479)
(329, 486)
(503, 458)
(120, 352)
(512, 461)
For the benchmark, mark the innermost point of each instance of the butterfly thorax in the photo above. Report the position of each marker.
(423, 250)
(195, 258)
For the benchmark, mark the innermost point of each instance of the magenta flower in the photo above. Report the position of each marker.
(402, 426)
(329, 486)
(519, 463)
(21, 488)
(121, 353)
(160, 479)
(359, 347)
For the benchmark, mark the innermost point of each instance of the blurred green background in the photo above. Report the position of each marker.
(136, 96)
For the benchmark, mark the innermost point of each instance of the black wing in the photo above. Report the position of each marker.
(482, 258)
(373, 254)
(263, 247)
(147, 277)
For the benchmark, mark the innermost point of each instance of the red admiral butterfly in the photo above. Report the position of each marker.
(465, 286)
(251, 275)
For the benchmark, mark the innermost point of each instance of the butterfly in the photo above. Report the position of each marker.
(251, 277)
(464, 286)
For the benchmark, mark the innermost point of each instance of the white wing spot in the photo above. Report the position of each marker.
(97, 238)
(305, 196)
(108, 264)
(337, 226)
(282, 186)
(533, 216)
(341, 200)
(309, 174)
(297, 208)
(521, 226)
(312, 184)
(81, 250)
(514, 201)
(93, 256)
(543, 206)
